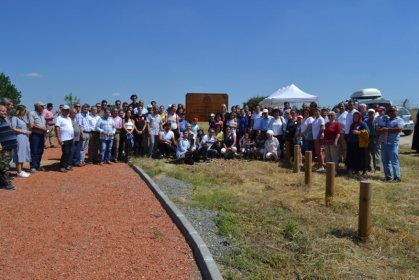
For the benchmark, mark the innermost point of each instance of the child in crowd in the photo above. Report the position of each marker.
(246, 144)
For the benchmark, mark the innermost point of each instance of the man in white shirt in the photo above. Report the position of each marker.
(349, 120)
(167, 143)
(94, 143)
(206, 144)
(256, 120)
(65, 133)
(154, 122)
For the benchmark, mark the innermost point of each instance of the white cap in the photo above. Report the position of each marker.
(212, 115)
(265, 110)
(269, 132)
(66, 107)
(371, 110)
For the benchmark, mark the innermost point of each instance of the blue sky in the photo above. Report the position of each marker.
(161, 50)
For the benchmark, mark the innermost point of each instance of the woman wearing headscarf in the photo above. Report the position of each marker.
(357, 146)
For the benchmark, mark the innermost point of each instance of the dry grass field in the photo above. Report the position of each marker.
(282, 229)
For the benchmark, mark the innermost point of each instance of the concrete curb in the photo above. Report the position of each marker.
(200, 250)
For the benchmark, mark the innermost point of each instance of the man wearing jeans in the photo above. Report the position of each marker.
(389, 129)
(37, 137)
(106, 127)
(83, 121)
(154, 123)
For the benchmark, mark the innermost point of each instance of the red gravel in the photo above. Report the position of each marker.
(95, 222)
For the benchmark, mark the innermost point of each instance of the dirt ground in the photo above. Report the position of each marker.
(95, 222)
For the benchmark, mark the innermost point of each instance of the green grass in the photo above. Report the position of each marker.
(281, 229)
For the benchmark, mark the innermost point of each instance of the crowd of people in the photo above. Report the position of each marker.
(364, 140)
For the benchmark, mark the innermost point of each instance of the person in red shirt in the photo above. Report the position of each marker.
(331, 137)
(49, 118)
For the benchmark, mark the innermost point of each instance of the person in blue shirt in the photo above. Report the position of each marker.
(389, 129)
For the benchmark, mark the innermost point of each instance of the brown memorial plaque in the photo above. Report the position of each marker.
(201, 105)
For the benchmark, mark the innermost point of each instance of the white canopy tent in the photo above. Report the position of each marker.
(291, 94)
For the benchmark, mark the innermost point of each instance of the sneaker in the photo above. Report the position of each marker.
(23, 174)
(109, 162)
(62, 169)
(100, 163)
(389, 179)
(69, 168)
(8, 187)
(41, 169)
(397, 179)
(321, 169)
(33, 170)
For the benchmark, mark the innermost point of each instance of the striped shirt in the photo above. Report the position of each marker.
(7, 135)
(83, 121)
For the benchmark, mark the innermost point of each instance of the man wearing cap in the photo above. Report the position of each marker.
(374, 152)
(264, 123)
(389, 129)
(37, 137)
(65, 134)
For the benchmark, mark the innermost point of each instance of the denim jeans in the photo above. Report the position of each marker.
(84, 147)
(37, 142)
(390, 159)
(152, 149)
(105, 149)
(75, 152)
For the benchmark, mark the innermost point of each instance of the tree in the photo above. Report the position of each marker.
(9, 90)
(253, 101)
(70, 100)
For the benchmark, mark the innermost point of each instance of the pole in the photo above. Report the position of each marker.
(308, 165)
(330, 182)
(364, 223)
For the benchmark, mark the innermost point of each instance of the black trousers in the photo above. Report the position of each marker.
(65, 160)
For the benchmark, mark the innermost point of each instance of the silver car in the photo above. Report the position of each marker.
(405, 114)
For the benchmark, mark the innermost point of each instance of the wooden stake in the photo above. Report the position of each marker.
(330, 182)
(297, 158)
(308, 166)
(364, 222)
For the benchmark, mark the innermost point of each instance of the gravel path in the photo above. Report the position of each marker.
(201, 219)
(95, 222)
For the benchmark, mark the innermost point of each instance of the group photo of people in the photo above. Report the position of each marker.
(360, 139)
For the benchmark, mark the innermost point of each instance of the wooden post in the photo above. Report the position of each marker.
(308, 166)
(297, 158)
(330, 182)
(364, 222)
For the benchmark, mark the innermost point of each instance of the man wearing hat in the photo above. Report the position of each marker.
(65, 134)
(374, 152)
(389, 129)
(37, 137)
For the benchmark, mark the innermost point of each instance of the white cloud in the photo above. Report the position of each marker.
(34, 75)
(116, 94)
